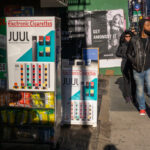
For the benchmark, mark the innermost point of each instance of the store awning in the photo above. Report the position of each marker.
(54, 3)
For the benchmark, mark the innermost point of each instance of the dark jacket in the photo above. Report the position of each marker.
(136, 53)
(122, 52)
(123, 45)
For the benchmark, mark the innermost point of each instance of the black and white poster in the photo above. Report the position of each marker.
(115, 27)
(105, 28)
(101, 29)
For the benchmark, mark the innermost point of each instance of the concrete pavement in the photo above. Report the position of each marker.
(129, 130)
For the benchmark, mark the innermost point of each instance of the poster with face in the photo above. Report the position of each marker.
(103, 30)
(115, 26)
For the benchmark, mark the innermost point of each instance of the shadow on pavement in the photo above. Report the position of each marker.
(120, 84)
(110, 147)
(119, 81)
(148, 110)
(78, 138)
(121, 87)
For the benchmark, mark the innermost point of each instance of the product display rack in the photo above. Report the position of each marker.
(80, 103)
(28, 110)
(30, 132)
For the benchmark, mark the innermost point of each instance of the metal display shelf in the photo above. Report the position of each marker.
(27, 125)
(30, 128)
(26, 108)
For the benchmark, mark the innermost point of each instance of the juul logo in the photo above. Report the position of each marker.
(18, 36)
(70, 81)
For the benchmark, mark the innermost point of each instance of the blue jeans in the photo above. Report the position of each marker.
(139, 79)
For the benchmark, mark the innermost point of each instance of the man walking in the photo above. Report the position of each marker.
(139, 54)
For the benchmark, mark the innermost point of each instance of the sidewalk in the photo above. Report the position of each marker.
(129, 130)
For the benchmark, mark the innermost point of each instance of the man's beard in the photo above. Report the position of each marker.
(147, 32)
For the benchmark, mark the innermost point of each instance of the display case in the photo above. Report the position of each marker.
(31, 108)
(80, 92)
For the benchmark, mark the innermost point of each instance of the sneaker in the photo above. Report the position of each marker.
(142, 112)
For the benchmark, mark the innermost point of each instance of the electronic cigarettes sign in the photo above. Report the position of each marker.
(30, 23)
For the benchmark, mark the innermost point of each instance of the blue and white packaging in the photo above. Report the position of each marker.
(80, 93)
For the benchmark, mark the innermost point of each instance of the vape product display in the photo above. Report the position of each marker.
(80, 111)
(47, 40)
(31, 53)
(47, 50)
(34, 48)
(41, 40)
(80, 92)
(34, 74)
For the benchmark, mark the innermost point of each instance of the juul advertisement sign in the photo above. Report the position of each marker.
(31, 52)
